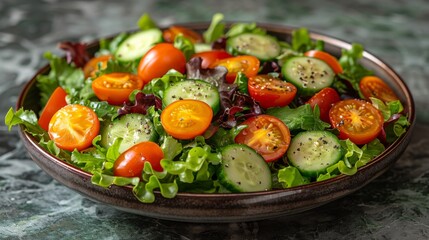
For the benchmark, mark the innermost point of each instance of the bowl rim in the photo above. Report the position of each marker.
(270, 27)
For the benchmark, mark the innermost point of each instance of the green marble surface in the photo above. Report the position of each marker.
(34, 206)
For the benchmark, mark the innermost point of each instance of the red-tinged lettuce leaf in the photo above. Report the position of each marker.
(76, 53)
(214, 76)
(141, 104)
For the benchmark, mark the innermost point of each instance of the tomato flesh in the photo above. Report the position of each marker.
(115, 88)
(56, 101)
(267, 135)
(270, 91)
(159, 60)
(95, 64)
(186, 119)
(249, 65)
(210, 57)
(325, 99)
(74, 127)
(170, 34)
(327, 58)
(356, 120)
(372, 86)
(131, 162)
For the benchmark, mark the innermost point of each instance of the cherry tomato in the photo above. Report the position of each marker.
(326, 57)
(267, 135)
(270, 91)
(186, 119)
(74, 127)
(55, 102)
(357, 120)
(247, 64)
(131, 162)
(372, 86)
(170, 34)
(159, 60)
(210, 57)
(325, 98)
(95, 64)
(115, 88)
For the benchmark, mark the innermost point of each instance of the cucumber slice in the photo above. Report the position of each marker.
(133, 128)
(193, 89)
(308, 74)
(202, 47)
(263, 47)
(136, 45)
(312, 152)
(243, 170)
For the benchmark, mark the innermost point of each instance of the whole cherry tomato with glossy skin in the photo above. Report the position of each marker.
(74, 127)
(131, 162)
(249, 65)
(210, 57)
(186, 119)
(326, 57)
(56, 101)
(170, 34)
(372, 86)
(267, 135)
(270, 91)
(115, 88)
(159, 60)
(325, 99)
(96, 64)
(357, 120)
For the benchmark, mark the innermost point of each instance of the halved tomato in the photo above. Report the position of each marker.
(357, 120)
(325, 98)
(74, 127)
(96, 64)
(249, 65)
(186, 119)
(131, 162)
(170, 34)
(115, 88)
(210, 57)
(267, 135)
(326, 57)
(372, 86)
(270, 91)
(56, 101)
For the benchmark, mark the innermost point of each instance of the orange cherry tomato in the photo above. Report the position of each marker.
(131, 162)
(159, 60)
(95, 64)
(325, 98)
(249, 65)
(326, 57)
(115, 88)
(270, 91)
(170, 34)
(55, 102)
(372, 86)
(267, 135)
(357, 120)
(186, 119)
(210, 57)
(74, 127)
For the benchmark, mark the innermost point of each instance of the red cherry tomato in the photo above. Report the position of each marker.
(267, 135)
(210, 57)
(357, 120)
(325, 98)
(170, 34)
(326, 57)
(115, 88)
(270, 91)
(372, 86)
(131, 162)
(249, 65)
(56, 101)
(159, 60)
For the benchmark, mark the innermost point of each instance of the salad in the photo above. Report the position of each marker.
(224, 110)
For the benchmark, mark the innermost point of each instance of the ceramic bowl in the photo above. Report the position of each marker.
(191, 207)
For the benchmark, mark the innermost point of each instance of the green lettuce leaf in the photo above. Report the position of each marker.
(291, 177)
(241, 81)
(240, 28)
(215, 30)
(145, 22)
(159, 85)
(185, 45)
(301, 41)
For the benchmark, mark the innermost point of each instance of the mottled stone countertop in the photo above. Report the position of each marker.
(34, 206)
